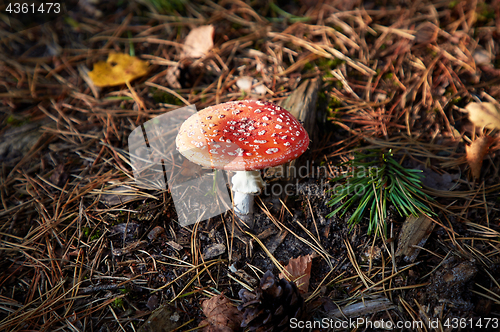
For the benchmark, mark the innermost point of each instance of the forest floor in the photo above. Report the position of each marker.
(83, 247)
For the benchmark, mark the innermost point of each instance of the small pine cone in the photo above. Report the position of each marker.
(271, 306)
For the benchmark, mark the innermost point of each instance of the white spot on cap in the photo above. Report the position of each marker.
(257, 111)
(265, 118)
(278, 126)
(272, 150)
(260, 141)
(221, 116)
(262, 132)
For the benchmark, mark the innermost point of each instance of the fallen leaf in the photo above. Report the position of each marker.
(426, 33)
(432, 179)
(172, 76)
(190, 169)
(222, 315)
(118, 195)
(299, 271)
(155, 233)
(250, 85)
(126, 231)
(119, 69)
(484, 115)
(198, 42)
(214, 251)
(482, 57)
(415, 232)
(128, 249)
(165, 318)
(152, 303)
(476, 152)
(59, 177)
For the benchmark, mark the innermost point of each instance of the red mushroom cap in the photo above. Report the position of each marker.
(241, 136)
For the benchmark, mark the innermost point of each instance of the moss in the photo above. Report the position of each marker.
(15, 121)
(335, 102)
(167, 6)
(485, 12)
(333, 105)
(71, 22)
(324, 64)
(97, 234)
(453, 4)
(118, 303)
(91, 234)
(164, 97)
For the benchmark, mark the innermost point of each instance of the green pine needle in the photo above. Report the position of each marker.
(375, 179)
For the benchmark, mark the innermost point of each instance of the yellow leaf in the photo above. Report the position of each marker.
(484, 115)
(119, 69)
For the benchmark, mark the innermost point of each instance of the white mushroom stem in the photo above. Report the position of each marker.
(246, 184)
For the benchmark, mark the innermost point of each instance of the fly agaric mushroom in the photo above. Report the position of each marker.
(242, 136)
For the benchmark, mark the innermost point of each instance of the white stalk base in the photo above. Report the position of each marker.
(245, 185)
(243, 203)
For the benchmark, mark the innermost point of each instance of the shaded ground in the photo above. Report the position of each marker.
(84, 249)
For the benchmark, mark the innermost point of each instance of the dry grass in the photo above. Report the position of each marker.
(390, 80)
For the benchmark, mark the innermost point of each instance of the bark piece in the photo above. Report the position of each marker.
(415, 232)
